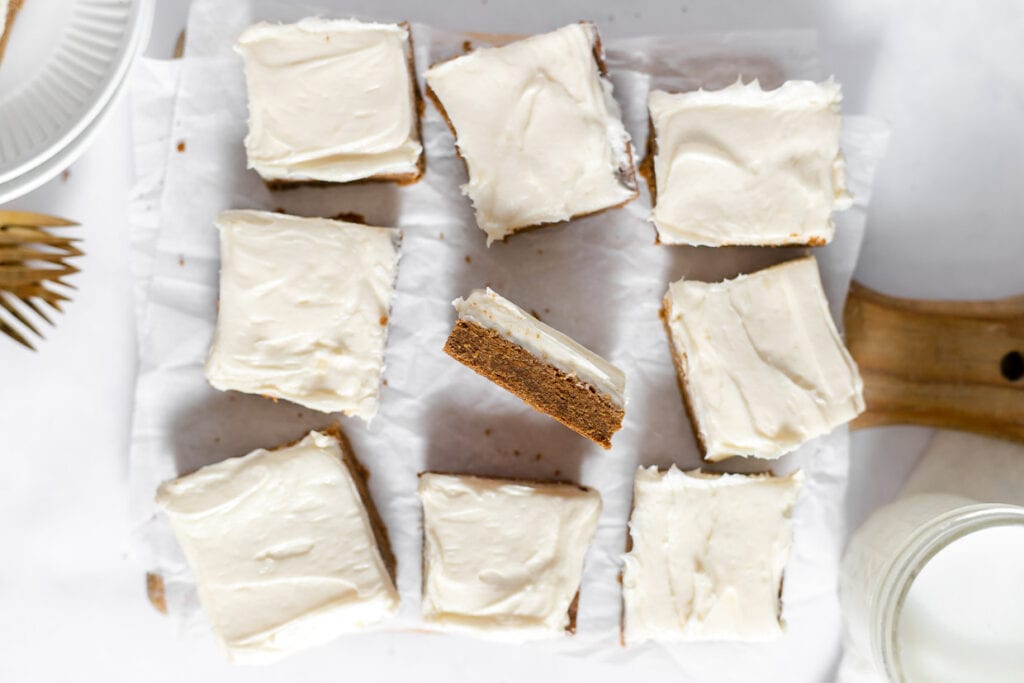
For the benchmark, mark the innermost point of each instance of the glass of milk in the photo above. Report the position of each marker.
(932, 588)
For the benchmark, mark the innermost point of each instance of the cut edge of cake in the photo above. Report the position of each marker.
(682, 375)
(361, 477)
(568, 398)
(645, 168)
(396, 236)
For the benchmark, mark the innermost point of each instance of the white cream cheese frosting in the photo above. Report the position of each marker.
(330, 100)
(281, 547)
(707, 556)
(541, 135)
(763, 365)
(3, 16)
(490, 310)
(747, 166)
(303, 310)
(503, 559)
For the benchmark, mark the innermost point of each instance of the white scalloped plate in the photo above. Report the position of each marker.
(64, 62)
(51, 168)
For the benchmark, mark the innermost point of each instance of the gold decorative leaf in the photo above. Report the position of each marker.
(38, 220)
(33, 261)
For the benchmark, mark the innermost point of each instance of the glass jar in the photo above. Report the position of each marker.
(888, 553)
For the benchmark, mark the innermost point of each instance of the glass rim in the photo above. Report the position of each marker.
(923, 544)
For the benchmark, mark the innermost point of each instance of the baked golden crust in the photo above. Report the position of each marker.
(628, 174)
(677, 361)
(360, 475)
(155, 592)
(574, 606)
(646, 167)
(574, 403)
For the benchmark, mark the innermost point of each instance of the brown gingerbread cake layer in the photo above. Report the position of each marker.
(574, 403)
(574, 608)
(677, 360)
(646, 166)
(360, 475)
(13, 7)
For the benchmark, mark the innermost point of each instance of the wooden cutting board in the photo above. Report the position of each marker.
(951, 364)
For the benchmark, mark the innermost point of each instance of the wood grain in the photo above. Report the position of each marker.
(951, 364)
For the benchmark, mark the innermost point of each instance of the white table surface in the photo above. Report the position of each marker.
(945, 221)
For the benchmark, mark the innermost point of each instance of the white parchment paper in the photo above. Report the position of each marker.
(599, 279)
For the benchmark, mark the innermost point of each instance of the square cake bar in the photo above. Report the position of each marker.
(706, 557)
(286, 547)
(304, 305)
(502, 558)
(747, 166)
(537, 126)
(761, 366)
(331, 100)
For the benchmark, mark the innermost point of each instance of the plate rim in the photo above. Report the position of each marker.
(141, 20)
(46, 171)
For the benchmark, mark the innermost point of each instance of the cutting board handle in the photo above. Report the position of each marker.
(952, 364)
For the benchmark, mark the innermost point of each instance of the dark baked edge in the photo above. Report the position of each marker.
(681, 381)
(360, 475)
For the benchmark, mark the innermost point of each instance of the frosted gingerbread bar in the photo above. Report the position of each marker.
(303, 313)
(331, 101)
(706, 557)
(537, 126)
(503, 558)
(285, 546)
(761, 365)
(545, 368)
(744, 165)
